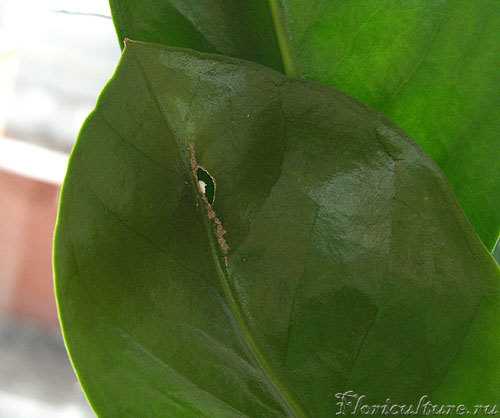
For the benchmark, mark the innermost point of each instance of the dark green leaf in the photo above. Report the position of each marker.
(431, 66)
(334, 258)
(242, 29)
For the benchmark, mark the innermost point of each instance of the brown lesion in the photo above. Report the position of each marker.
(212, 216)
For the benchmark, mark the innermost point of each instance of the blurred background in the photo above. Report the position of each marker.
(55, 57)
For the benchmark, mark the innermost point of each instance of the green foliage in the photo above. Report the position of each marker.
(431, 66)
(239, 28)
(335, 256)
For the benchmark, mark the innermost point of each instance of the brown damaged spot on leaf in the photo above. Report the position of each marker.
(212, 216)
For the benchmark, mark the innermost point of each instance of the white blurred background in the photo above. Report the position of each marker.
(55, 57)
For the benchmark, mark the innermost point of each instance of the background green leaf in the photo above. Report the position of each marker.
(350, 264)
(241, 29)
(431, 66)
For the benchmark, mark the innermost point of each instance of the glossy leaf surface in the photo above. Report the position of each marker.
(334, 258)
(431, 66)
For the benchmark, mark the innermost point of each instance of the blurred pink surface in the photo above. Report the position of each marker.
(27, 216)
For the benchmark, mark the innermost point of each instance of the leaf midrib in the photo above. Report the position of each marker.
(290, 405)
(283, 39)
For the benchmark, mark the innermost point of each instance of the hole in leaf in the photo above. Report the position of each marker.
(206, 184)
